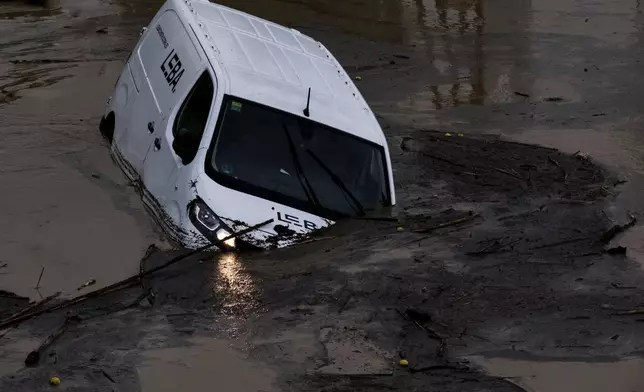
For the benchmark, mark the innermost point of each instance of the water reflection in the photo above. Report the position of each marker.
(233, 286)
(455, 36)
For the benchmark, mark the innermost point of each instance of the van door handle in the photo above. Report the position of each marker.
(157, 144)
(151, 126)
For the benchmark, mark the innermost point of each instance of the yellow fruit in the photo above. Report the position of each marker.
(448, 134)
(54, 381)
(459, 134)
(404, 362)
(400, 228)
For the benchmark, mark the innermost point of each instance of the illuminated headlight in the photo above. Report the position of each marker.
(223, 233)
(209, 224)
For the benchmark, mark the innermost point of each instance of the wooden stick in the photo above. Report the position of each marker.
(40, 277)
(509, 173)
(447, 224)
(563, 171)
(128, 281)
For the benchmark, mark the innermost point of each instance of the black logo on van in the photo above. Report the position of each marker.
(172, 69)
(163, 38)
(294, 220)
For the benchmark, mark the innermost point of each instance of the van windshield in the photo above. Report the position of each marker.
(297, 162)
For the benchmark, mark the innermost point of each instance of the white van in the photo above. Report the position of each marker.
(227, 120)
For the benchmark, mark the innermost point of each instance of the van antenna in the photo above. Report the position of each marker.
(308, 101)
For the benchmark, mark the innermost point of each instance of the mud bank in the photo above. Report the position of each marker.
(497, 251)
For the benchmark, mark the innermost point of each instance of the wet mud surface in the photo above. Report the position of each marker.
(493, 272)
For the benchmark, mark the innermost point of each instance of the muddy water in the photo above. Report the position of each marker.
(561, 376)
(203, 362)
(67, 211)
(556, 72)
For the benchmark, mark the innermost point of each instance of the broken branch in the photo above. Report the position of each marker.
(34, 357)
(629, 312)
(563, 171)
(40, 277)
(447, 224)
(32, 307)
(509, 173)
(128, 281)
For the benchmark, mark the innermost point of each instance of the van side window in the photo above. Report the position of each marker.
(191, 119)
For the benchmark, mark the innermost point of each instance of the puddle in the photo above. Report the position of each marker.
(204, 364)
(621, 376)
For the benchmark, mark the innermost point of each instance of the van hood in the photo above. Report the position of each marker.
(240, 210)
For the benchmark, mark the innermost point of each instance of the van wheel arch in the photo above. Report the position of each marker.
(107, 126)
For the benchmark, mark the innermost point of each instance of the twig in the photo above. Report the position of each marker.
(629, 312)
(562, 242)
(40, 277)
(315, 239)
(128, 281)
(509, 173)
(438, 367)
(563, 171)
(443, 159)
(108, 376)
(447, 224)
(3, 265)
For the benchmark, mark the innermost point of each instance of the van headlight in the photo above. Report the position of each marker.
(209, 224)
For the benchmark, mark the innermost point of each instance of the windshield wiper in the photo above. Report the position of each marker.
(306, 185)
(356, 204)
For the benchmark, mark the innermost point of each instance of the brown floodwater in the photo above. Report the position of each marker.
(562, 73)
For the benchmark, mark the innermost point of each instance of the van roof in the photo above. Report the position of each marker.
(275, 65)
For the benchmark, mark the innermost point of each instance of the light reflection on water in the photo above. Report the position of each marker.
(233, 285)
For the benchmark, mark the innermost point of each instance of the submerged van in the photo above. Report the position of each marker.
(226, 120)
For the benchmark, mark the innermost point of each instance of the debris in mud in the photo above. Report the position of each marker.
(474, 168)
(617, 229)
(31, 307)
(494, 246)
(90, 282)
(617, 250)
(33, 358)
(107, 375)
(629, 312)
(102, 30)
(519, 93)
(470, 215)
(553, 99)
